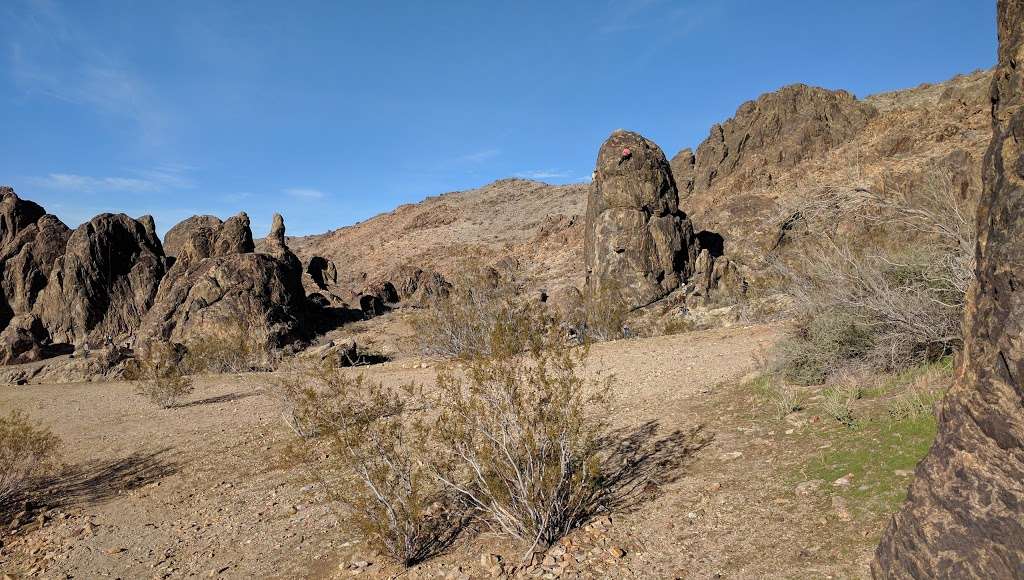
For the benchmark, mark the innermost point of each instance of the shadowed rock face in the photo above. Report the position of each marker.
(964, 515)
(30, 242)
(105, 281)
(637, 241)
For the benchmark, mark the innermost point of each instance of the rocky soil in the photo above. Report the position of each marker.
(210, 489)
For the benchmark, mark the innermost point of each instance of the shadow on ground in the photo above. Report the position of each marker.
(218, 399)
(638, 463)
(88, 484)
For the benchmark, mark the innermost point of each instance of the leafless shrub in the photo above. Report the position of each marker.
(519, 441)
(159, 372)
(375, 468)
(235, 346)
(597, 315)
(463, 322)
(26, 451)
(892, 298)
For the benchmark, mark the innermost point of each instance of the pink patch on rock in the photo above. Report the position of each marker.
(626, 152)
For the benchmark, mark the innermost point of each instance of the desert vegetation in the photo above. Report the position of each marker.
(160, 374)
(887, 299)
(27, 451)
(510, 439)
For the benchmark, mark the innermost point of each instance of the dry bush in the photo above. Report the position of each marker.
(236, 346)
(26, 451)
(374, 467)
(462, 322)
(518, 439)
(887, 298)
(160, 373)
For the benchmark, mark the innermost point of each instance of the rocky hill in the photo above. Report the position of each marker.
(783, 146)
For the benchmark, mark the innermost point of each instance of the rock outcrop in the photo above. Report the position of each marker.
(218, 282)
(637, 243)
(30, 242)
(774, 132)
(964, 515)
(176, 237)
(99, 290)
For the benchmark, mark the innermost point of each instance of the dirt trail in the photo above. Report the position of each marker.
(202, 490)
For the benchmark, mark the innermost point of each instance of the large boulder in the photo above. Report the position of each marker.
(214, 286)
(637, 241)
(22, 340)
(176, 237)
(99, 290)
(964, 515)
(30, 242)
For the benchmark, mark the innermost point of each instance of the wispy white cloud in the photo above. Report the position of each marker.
(305, 193)
(142, 181)
(48, 55)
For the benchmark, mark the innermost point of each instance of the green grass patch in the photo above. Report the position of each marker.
(874, 452)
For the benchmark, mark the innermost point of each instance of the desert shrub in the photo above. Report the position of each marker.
(517, 439)
(26, 451)
(160, 374)
(234, 347)
(463, 322)
(605, 314)
(888, 298)
(375, 467)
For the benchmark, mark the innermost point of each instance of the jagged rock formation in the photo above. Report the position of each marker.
(774, 132)
(30, 242)
(218, 282)
(638, 243)
(101, 287)
(964, 515)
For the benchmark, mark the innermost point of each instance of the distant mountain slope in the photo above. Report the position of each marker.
(782, 146)
(536, 224)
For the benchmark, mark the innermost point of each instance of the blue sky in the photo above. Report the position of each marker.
(333, 111)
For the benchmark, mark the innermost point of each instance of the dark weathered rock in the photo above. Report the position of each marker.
(637, 243)
(30, 242)
(104, 283)
(183, 230)
(22, 340)
(417, 285)
(208, 290)
(964, 515)
(322, 272)
(776, 131)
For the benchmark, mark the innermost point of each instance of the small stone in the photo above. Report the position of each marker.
(731, 456)
(809, 487)
(903, 473)
(843, 481)
(617, 552)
